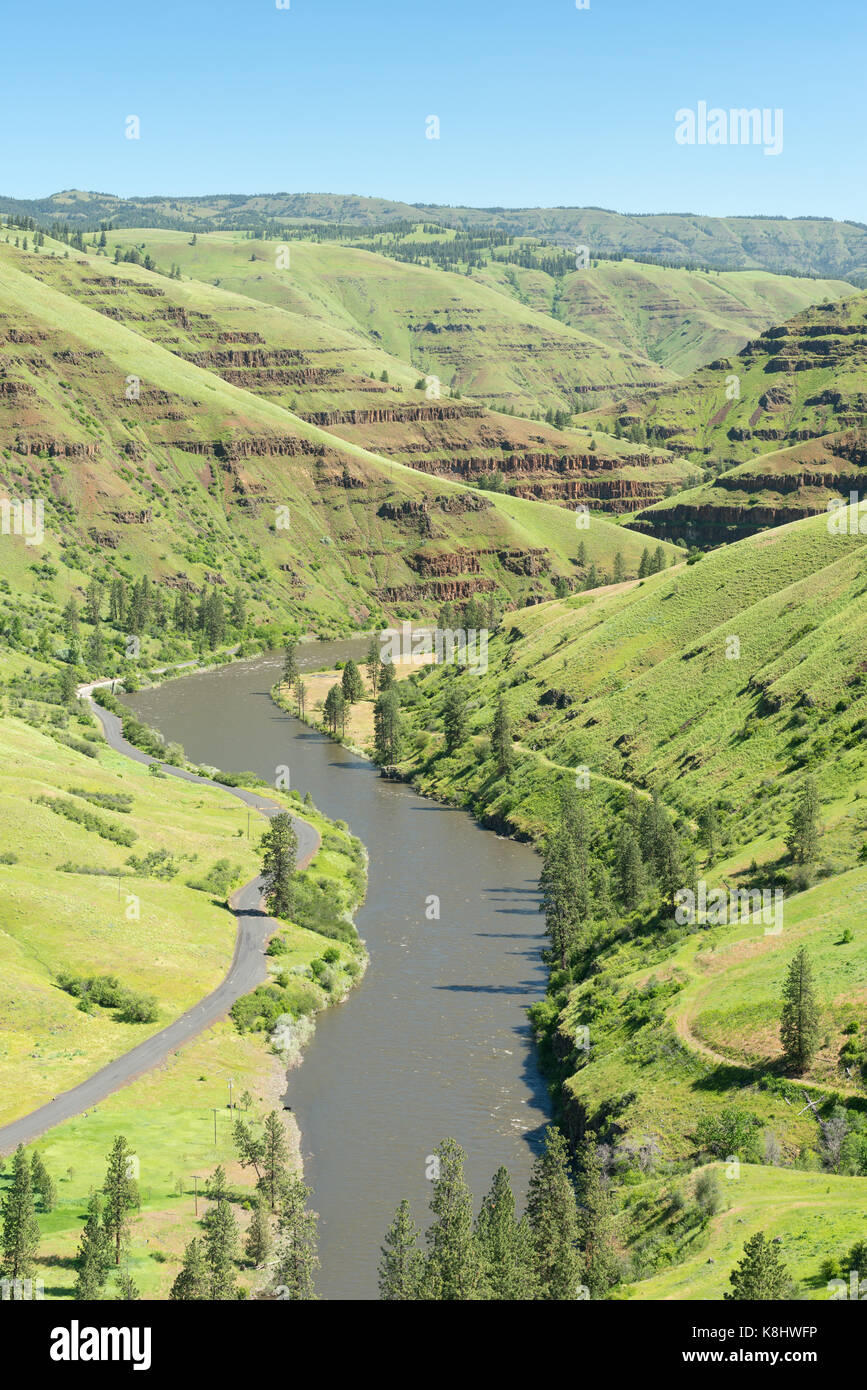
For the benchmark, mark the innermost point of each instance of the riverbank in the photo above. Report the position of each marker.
(174, 1109)
(437, 1041)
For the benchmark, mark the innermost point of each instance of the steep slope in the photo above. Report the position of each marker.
(679, 318)
(472, 337)
(149, 463)
(798, 380)
(779, 487)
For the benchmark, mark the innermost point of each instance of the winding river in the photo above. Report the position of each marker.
(434, 1042)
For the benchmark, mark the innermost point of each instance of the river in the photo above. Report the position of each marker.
(434, 1042)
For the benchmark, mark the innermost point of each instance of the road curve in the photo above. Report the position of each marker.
(248, 968)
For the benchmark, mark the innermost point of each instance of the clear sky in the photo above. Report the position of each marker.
(539, 103)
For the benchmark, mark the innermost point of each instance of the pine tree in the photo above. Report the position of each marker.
(221, 1251)
(802, 840)
(761, 1274)
(386, 676)
(275, 1159)
(335, 710)
(373, 661)
(658, 561)
(127, 1289)
(501, 739)
(300, 695)
(799, 1021)
(644, 566)
(42, 1181)
(121, 1194)
(290, 664)
(552, 1218)
(452, 1268)
(401, 1268)
(20, 1227)
(258, 1244)
(297, 1260)
(351, 683)
(279, 847)
(192, 1282)
(387, 723)
(600, 1262)
(94, 1256)
(630, 869)
(455, 717)
(504, 1245)
(619, 568)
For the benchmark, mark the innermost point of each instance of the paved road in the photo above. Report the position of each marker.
(248, 969)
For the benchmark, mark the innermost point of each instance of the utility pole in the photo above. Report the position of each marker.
(231, 1084)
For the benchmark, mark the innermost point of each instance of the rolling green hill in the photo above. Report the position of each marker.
(804, 245)
(198, 481)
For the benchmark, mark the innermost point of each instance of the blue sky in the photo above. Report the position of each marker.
(539, 103)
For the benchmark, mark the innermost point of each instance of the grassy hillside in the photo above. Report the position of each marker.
(202, 482)
(475, 339)
(720, 687)
(798, 380)
(779, 487)
(679, 318)
(812, 245)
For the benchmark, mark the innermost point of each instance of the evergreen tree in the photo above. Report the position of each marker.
(335, 710)
(387, 723)
(70, 620)
(127, 1289)
(708, 824)
(552, 1217)
(275, 1159)
(351, 683)
(452, 1267)
(658, 561)
(644, 566)
(373, 662)
(68, 684)
(290, 664)
(799, 1021)
(503, 1242)
(221, 1251)
(20, 1227)
(279, 847)
(121, 1194)
(42, 1181)
(501, 739)
(401, 1268)
(192, 1283)
(802, 840)
(630, 869)
(300, 695)
(619, 568)
(94, 1256)
(600, 1262)
(258, 1244)
(95, 650)
(297, 1260)
(93, 601)
(386, 676)
(761, 1275)
(455, 717)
